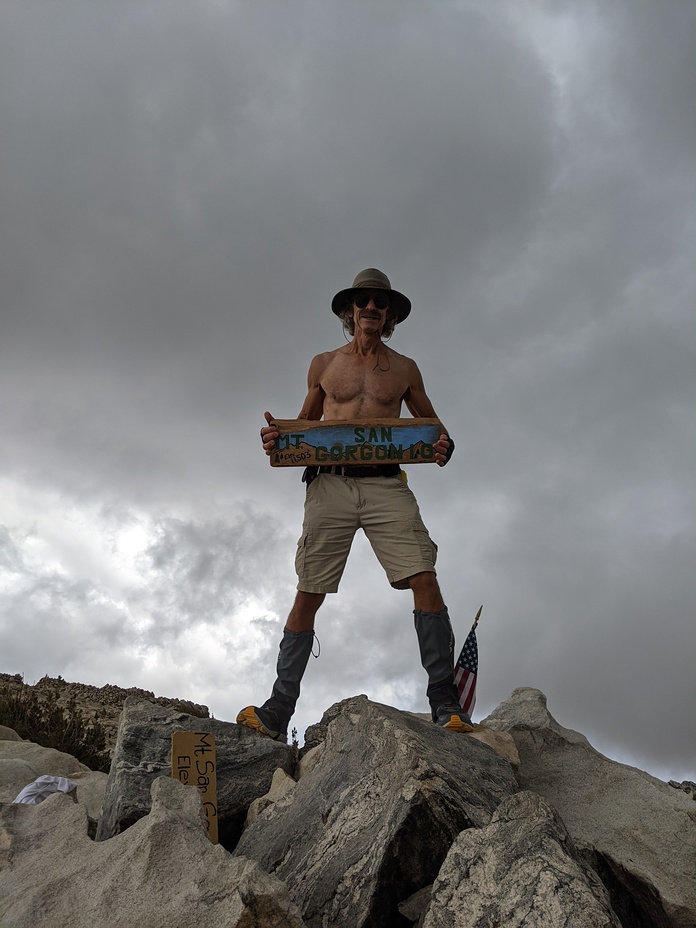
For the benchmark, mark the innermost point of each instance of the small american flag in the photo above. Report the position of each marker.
(465, 672)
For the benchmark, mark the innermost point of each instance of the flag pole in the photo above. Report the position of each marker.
(478, 616)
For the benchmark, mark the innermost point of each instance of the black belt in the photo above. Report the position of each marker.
(378, 470)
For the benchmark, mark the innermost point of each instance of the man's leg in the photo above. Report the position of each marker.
(273, 716)
(304, 609)
(426, 592)
(436, 643)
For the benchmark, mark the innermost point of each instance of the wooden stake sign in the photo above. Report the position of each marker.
(307, 442)
(193, 763)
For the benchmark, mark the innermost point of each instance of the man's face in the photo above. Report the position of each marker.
(370, 308)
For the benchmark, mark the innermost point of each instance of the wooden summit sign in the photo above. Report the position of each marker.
(194, 764)
(308, 442)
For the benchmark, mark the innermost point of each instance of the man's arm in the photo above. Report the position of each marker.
(419, 405)
(312, 408)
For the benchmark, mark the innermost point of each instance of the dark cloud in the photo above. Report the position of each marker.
(184, 186)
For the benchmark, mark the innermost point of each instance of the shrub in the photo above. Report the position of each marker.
(43, 720)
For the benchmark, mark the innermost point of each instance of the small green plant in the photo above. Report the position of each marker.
(43, 720)
(295, 744)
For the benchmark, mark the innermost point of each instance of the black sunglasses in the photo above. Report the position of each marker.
(363, 297)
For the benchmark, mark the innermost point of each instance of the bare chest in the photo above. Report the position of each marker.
(363, 386)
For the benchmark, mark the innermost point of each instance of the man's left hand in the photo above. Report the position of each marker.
(444, 447)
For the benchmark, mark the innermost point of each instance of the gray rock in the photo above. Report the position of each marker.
(501, 742)
(309, 760)
(521, 871)
(162, 873)
(245, 766)
(371, 823)
(381, 800)
(416, 906)
(638, 833)
(91, 788)
(8, 734)
(21, 762)
(280, 786)
(688, 786)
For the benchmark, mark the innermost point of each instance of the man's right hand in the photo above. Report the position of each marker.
(269, 434)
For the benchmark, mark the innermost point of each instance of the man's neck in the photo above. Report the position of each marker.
(365, 345)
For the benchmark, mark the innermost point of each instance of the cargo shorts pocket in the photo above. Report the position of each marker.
(427, 546)
(301, 554)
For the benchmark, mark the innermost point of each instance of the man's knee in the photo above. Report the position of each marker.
(426, 591)
(425, 580)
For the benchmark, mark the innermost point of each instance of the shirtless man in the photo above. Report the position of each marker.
(365, 379)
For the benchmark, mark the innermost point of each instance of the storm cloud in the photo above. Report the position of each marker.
(183, 188)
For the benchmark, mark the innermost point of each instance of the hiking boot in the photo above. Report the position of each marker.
(272, 718)
(436, 643)
(453, 717)
(264, 720)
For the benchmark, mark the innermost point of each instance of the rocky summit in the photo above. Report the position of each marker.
(382, 819)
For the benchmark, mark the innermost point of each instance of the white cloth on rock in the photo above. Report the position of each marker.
(42, 788)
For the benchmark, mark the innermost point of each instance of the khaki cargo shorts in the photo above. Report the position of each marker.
(384, 508)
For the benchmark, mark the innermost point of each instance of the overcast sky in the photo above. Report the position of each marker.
(184, 186)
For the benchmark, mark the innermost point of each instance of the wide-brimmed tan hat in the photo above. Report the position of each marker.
(372, 279)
